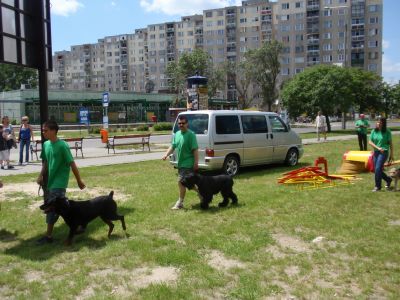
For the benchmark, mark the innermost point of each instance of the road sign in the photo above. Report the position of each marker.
(106, 99)
(105, 122)
(84, 115)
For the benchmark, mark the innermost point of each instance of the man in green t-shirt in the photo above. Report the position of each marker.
(184, 143)
(362, 126)
(57, 161)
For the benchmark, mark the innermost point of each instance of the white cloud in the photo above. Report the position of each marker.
(385, 44)
(390, 70)
(65, 7)
(113, 3)
(180, 7)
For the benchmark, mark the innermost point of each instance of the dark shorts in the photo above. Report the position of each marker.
(52, 217)
(182, 173)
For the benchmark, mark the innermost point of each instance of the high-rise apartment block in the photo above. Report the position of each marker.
(342, 32)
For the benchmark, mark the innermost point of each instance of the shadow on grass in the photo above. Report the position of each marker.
(214, 208)
(29, 249)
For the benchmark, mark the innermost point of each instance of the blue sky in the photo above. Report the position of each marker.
(77, 22)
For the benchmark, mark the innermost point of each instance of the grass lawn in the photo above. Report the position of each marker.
(261, 249)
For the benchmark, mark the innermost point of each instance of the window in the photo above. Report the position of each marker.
(299, 37)
(285, 60)
(226, 125)
(373, 20)
(299, 27)
(342, 1)
(220, 22)
(328, 2)
(299, 16)
(341, 11)
(341, 57)
(328, 12)
(372, 67)
(243, 20)
(298, 70)
(285, 71)
(284, 17)
(299, 59)
(341, 34)
(373, 44)
(209, 14)
(327, 47)
(285, 5)
(341, 23)
(299, 4)
(373, 31)
(373, 8)
(254, 124)
(327, 24)
(327, 58)
(277, 124)
(198, 123)
(373, 55)
(327, 35)
(341, 46)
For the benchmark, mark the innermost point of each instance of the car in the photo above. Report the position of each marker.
(230, 139)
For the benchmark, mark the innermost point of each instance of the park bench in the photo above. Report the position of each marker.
(128, 140)
(73, 143)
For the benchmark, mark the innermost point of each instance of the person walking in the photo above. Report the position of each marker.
(4, 151)
(9, 131)
(320, 124)
(57, 161)
(185, 143)
(362, 126)
(24, 138)
(381, 142)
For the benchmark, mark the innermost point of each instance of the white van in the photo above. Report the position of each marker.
(229, 139)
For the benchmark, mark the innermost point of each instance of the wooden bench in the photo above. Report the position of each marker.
(73, 143)
(128, 140)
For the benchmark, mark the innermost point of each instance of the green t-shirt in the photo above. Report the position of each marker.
(58, 157)
(363, 130)
(184, 143)
(381, 139)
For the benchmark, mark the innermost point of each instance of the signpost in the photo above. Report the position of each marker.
(84, 116)
(105, 101)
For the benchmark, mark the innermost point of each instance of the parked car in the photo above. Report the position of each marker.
(334, 118)
(229, 139)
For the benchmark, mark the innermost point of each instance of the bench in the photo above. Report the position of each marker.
(127, 140)
(73, 143)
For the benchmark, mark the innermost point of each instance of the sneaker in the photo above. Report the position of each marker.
(44, 240)
(178, 205)
(376, 189)
(6, 167)
(10, 167)
(25, 163)
(20, 164)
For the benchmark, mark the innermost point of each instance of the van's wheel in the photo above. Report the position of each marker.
(292, 157)
(231, 165)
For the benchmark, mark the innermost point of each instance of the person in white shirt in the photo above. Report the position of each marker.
(320, 124)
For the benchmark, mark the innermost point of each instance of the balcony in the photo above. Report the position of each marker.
(312, 30)
(312, 41)
(314, 6)
(358, 38)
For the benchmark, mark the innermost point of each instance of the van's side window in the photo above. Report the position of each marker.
(227, 124)
(254, 124)
(277, 124)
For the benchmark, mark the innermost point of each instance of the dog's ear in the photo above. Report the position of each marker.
(111, 195)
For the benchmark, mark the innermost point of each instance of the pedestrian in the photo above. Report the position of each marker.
(184, 142)
(320, 124)
(362, 126)
(57, 161)
(11, 141)
(381, 142)
(4, 152)
(24, 138)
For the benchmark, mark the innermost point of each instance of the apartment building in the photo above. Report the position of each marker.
(342, 32)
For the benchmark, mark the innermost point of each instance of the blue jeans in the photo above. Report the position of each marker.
(379, 161)
(24, 143)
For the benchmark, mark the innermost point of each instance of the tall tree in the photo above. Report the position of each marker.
(266, 67)
(12, 76)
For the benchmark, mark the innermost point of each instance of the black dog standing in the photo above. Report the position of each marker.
(80, 213)
(211, 185)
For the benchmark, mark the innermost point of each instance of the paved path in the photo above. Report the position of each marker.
(97, 156)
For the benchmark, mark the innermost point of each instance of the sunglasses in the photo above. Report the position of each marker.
(181, 124)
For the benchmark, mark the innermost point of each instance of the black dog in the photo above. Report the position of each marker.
(77, 214)
(211, 185)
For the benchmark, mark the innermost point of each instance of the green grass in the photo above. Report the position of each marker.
(84, 133)
(339, 132)
(261, 248)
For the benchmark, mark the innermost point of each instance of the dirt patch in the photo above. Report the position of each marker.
(217, 260)
(143, 277)
(88, 193)
(276, 252)
(292, 271)
(30, 188)
(86, 293)
(394, 223)
(170, 235)
(292, 243)
(31, 276)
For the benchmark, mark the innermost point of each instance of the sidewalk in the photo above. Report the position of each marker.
(97, 156)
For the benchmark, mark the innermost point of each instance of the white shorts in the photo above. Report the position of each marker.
(4, 155)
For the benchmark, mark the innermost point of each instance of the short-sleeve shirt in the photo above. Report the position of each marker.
(363, 130)
(184, 143)
(381, 139)
(58, 157)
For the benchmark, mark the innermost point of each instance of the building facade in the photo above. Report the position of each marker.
(341, 32)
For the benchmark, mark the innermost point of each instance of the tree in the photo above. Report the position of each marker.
(265, 69)
(12, 76)
(328, 87)
(241, 74)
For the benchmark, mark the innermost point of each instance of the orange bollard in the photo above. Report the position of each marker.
(322, 160)
(104, 135)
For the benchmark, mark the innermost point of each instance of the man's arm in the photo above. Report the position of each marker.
(168, 153)
(75, 170)
(196, 159)
(43, 171)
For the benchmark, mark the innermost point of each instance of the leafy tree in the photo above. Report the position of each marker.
(265, 69)
(327, 87)
(12, 76)
(241, 74)
(391, 98)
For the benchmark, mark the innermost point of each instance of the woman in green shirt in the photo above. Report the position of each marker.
(381, 141)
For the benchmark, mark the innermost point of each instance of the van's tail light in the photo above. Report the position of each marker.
(210, 152)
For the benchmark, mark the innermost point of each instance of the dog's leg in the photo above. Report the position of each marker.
(234, 198)
(110, 225)
(204, 204)
(224, 202)
(71, 234)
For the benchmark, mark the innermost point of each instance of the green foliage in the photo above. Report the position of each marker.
(12, 76)
(142, 128)
(162, 126)
(265, 70)
(242, 74)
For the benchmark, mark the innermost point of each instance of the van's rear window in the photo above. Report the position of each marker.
(198, 123)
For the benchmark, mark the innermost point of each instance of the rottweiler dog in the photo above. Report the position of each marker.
(209, 186)
(77, 214)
